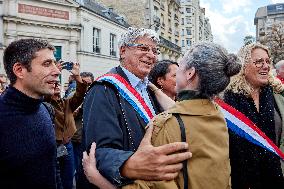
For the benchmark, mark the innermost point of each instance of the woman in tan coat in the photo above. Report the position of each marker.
(203, 72)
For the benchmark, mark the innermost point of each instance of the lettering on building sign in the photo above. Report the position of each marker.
(41, 11)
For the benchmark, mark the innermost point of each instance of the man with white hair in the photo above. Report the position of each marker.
(279, 66)
(117, 109)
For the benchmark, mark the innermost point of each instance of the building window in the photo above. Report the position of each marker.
(279, 7)
(188, 42)
(112, 42)
(182, 21)
(96, 40)
(188, 31)
(163, 20)
(156, 11)
(188, 20)
(188, 10)
(176, 41)
(182, 32)
(58, 52)
(182, 43)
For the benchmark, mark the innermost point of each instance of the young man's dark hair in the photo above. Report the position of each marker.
(22, 51)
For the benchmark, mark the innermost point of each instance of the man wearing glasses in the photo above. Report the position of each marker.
(117, 109)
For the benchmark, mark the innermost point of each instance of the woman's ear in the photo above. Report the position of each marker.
(190, 74)
(160, 81)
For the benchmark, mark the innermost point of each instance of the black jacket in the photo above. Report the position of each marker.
(252, 166)
(114, 125)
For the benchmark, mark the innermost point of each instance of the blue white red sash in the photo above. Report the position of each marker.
(129, 94)
(245, 128)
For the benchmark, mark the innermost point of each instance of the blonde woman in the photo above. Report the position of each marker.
(253, 92)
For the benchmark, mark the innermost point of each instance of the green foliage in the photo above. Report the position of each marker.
(274, 39)
(249, 39)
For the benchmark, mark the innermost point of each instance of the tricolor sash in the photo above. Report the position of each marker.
(130, 95)
(245, 128)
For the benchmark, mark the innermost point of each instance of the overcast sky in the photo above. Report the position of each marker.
(232, 20)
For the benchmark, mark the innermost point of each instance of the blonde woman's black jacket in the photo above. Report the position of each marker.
(252, 166)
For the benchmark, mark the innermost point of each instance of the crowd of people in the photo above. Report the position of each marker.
(212, 121)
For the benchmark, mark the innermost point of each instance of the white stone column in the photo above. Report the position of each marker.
(10, 33)
(12, 7)
(73, 51)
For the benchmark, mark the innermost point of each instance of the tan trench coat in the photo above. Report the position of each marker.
(207, 136)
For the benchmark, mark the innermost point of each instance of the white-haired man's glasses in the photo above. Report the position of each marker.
(145, 48)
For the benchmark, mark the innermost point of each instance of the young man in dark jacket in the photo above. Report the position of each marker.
(27, 138)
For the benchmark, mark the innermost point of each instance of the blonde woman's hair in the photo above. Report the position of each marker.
(239, 83)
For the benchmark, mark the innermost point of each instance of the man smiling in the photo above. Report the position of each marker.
(28, 147)
(116, 111)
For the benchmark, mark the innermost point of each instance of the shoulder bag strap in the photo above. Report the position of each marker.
(183, 138)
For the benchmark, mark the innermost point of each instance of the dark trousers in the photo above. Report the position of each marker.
(66, 164)
(78, 155)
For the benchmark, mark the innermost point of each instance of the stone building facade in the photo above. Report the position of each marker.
(80, 30)
(266, 16)
(101, 30)
(195, 26)
(162, 16)
(55, 21)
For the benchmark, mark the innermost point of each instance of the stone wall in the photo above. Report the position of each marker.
(136, 12)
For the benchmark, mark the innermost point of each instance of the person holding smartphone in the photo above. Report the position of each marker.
(65, 124)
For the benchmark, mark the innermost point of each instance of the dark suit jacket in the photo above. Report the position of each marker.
(117, 129)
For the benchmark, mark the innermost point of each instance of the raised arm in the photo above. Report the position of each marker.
(165, 101)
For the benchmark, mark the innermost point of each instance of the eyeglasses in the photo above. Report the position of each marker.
(260, 62)
(145, 48)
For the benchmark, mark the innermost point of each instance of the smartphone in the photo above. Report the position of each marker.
(67, 65)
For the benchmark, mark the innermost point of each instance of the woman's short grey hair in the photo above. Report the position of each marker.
(133, 34)
(213, 65)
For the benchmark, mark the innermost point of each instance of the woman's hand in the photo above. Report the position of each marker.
(165, 101)
(91, 171)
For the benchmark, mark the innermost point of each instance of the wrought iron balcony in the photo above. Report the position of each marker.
(170, 45)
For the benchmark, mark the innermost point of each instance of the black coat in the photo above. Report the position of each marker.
(252, 166)
(117, 129)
